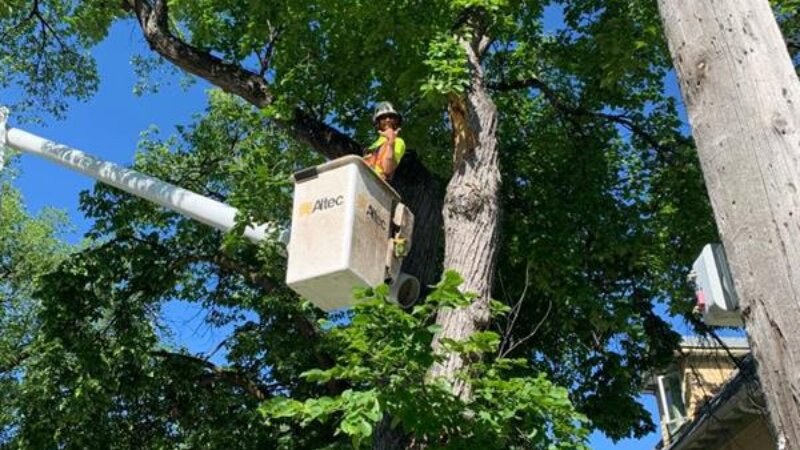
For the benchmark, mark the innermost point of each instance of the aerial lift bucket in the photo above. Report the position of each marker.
(349, 229)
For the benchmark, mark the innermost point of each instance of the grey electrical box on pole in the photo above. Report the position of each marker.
(716, 296)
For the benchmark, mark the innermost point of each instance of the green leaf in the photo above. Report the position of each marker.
(433, 329)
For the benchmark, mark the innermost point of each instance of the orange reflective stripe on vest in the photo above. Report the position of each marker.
(375, 159)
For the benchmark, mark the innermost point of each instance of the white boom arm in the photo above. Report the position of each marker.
(190, 204)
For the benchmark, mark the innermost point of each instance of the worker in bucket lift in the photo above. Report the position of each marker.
(384, 155)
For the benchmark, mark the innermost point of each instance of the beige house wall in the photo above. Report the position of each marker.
(702, 377)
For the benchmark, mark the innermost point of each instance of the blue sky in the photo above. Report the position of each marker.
(108, 126)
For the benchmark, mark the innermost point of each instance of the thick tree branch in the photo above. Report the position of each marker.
(483, 44)
(215, 373)
(477, 18)
(320, 136)
(232, 78)
(566, 108)
(153, 20)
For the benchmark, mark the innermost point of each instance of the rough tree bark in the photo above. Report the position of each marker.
(471, 211)
(743, 98)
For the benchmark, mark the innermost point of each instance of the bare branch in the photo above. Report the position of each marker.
(514, 313)
(516, 309)
(265, 59)
(517, 343)
(46, 25)
(219, 346)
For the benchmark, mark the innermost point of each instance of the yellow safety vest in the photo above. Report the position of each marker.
(374, 160)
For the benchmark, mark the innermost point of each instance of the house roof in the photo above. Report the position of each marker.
(690, 346)
(732, 343)
(738, 403)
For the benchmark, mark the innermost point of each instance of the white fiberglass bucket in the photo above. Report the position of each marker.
(341, 229)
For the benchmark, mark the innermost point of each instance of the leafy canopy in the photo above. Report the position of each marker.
(29, 250)
(385, 358)
(602, 196)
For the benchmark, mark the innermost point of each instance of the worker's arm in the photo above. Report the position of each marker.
(388, 162)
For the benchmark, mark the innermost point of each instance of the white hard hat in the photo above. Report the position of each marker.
(385, 109)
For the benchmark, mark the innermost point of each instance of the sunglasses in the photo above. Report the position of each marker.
(387, 122)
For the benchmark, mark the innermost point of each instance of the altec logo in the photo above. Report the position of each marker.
(321, 204)
(373, 214)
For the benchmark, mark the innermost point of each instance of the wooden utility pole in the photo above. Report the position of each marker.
(743, 99)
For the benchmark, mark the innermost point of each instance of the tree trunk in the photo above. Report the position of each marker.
(422, 192)
(471, 223)
(471, 214)
(742, 96)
